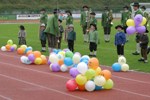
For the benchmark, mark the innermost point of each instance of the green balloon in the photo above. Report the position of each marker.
(69, 54)
(10, 42)
(109, 84)
(90, 74)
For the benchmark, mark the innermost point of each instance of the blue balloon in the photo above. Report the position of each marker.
(75, 65)
(85, 61)
(98, 88)
(55, 51)
(116, 67)
(28, 49)
(85, 58)
(68, 61)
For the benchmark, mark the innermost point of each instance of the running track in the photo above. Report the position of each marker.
(36, 82)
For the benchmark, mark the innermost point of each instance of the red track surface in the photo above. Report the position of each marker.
(36, 82)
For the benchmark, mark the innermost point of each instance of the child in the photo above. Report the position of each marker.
(43, 37)
(61, 29)
(144, 45)
(22, 35)
(120, 40)
(71, 38)
(93, 39)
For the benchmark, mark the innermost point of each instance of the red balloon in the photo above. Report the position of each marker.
(71, 85)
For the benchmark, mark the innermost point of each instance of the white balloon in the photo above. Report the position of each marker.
(53, 58)
(27, 61)
(90, 86)
(23, 59)
(3, 48)
(63, 68)
(60, 56)
(122, 60)
(99, 80)
(125, 67)
(76, 58)
(82, 67)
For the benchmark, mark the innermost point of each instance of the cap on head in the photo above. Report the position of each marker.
(85, 6)
(93, 13)
(71, 26)
(126, 7)
(136, 4)
(143, 7)
(119, 26)
(43, 24)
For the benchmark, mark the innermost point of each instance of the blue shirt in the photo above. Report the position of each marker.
(120, 38)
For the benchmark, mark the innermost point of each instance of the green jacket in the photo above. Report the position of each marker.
(85, 17)
(106, 19)
(71, 36)
(44, 18)
(93, 21)
(69, 20)
(124, 17)
(93, 36)
(138, 12)
(52, 25)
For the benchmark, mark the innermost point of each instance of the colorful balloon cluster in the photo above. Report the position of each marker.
(121, 65)
(9, 46)
(136, 25)
(23, 49)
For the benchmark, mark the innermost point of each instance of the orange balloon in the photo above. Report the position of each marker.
(8, 47)
(60, 62)
(81, 87)
(106, 74)
(44, 59)
(20, 51)
(37, 54)
(93, 63)
(29, 52)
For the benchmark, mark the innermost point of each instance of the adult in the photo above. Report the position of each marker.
(107, 18)
(84, 21)
(69, 21)
(136, 7)
(126, 14)
(44, 17)
(52, 30)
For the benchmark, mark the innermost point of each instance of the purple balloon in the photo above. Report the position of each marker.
(74, 72)
(12, 49)
(131, 30)
(141, 29)
(31, 57)
(48, 62)
(138, 19)
(55, 67)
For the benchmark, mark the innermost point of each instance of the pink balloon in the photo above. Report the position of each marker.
(131, 30)
(71, 85)
(141, 29)
(138, 19)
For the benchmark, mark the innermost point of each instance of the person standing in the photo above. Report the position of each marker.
(107, 18)
(126, 14)
(136, 7)
(22, 35)
(43, 17)
(69, 21)
(52, 30)
(84, 21)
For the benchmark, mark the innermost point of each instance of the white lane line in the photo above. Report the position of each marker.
(40, 86)
(129, 92)
(4, 97)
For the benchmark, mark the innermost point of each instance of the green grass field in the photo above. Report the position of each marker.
(106, 51)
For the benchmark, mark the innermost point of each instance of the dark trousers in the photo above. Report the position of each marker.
(71, 45)
(22, 41)
(52, 41)
(43, 43)
(93, 46)
(125, 28)
(84, 28)
(107, 30)
(120, 50)
(59, 43)
(144, 53)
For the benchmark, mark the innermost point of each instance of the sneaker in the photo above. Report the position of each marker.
(94, 55)
(141, 59)
(145, 61)
(136, 53)
(90, 55)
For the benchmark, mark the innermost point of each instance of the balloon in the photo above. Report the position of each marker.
(53, 58)
(62, 53)
(55, 67)
(44, 59)
(48, 62)
(71, 85)
(27, 61)
(10, 42)
(80, 79)
(29, 52)
(55, 51)
(90, 74)
(98, 71)
(74, 72)
(99, 80)
(28, 49)
(141, 29)
(130, 22)
(37, 54)
(85, 61)
(76, 58)
(90, 86)
(68, 61)
(77, 53)
(12, 48)
(116, 67)
(98, 88)
(20, 51)
(60, 57)
(138, 19)
(23, 58)
(93, 63)
(69, 54)
(125, 67)
(81, 87)
(60, 62)
(109, 84)
(15, 46)
(23, 47)
(3, 48)
(31, 57)
(121, 60)
(38, 61)
(8, 47)
(131, 30)
(64, 68)
(106, 74)
(143, 21)
(85, 57)
(82, 67)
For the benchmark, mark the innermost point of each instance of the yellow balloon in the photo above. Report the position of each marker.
(143, 22)
(98, 71)
(130, 22)
(81, 79)
(38, 61)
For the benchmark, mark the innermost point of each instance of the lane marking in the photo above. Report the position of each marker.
(4, 97)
